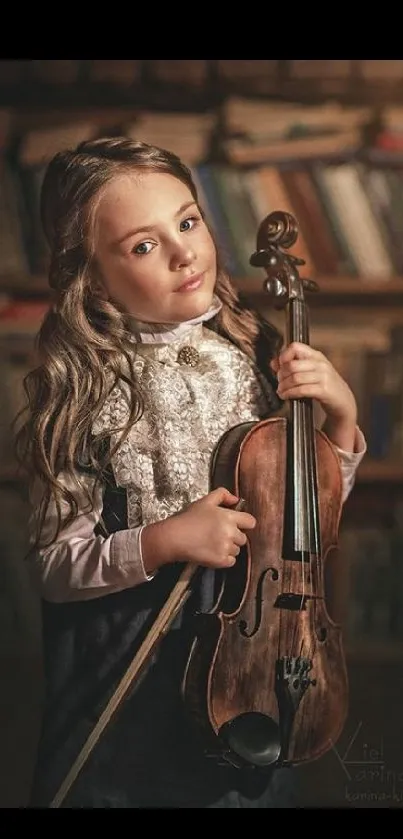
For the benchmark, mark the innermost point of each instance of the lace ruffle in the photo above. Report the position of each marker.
(164, 463)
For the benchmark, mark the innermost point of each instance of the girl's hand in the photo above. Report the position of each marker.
(304, 372)
(207, 533)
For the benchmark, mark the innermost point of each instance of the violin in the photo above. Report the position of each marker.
(266, 679)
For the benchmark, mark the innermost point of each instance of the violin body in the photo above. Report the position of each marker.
(266, 678)
(269, 646)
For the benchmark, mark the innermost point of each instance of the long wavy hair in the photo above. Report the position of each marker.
(83, 348)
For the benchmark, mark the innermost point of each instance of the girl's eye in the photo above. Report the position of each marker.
(188, 223)
(143, 247)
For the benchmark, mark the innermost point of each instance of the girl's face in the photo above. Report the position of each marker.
(154, 252)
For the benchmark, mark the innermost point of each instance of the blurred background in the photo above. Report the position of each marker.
(322, 139)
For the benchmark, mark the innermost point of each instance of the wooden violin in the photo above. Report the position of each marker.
(266, 678)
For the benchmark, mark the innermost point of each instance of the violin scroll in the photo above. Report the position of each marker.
(278, 228)
(277, 233)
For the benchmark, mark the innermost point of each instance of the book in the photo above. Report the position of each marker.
(385, 69)
(277, 198)
(14, 259)
(347, 262)
(312, 220)
(118, 72)
(35, 149)
(384, 190)
(270, 119)
(313, 68)
(186, 135)
(247, 152)
(54, 71)
(251, 75)
(186, 73)
(368, 612)
(21, 317)
(210, 200)
(238, 209)
(357, 220)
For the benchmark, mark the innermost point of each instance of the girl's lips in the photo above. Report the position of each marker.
(192, 283)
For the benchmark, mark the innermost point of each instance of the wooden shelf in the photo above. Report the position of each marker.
(148, 92)
(354, 288)
(378, 471)
(335, 289)
(24, 287)
(360, 286)
(48, 97)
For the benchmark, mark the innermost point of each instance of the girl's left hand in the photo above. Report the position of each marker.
(304, 372)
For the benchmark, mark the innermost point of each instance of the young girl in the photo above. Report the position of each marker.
(146, 358)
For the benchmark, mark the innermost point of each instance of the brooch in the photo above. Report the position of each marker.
(188, 355)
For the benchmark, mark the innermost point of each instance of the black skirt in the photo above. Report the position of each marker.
(151, 754)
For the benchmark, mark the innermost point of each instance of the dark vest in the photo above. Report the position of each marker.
(150, 755)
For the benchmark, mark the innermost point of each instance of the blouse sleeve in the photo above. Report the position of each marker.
(350, 461)
(81, 565)
(78, 564)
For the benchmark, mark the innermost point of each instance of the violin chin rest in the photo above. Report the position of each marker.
(252, 737)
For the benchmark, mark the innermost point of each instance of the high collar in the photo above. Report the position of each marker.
(166, 333)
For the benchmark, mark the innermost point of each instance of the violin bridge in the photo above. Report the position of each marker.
(292, 602)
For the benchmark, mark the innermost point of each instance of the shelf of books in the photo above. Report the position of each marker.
(348, 203)
(249, 157)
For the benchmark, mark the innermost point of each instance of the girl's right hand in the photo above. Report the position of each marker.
(207, 533)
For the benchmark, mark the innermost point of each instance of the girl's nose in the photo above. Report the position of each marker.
(182, 254)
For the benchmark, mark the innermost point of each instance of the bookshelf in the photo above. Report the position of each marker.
(37, 104)
(339, 290)
(350, 305)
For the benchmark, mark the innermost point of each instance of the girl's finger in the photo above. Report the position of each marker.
(302, 377)
(300, 366)
(298, 350)
(305, 391)
(240, 538)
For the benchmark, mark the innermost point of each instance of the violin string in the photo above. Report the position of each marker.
(317, 566)
(299, 505)
(307, 494)
(315, 495)
(311, 493)
(305, 504)
(313, 535)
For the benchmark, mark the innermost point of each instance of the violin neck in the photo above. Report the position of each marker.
(302, 470)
